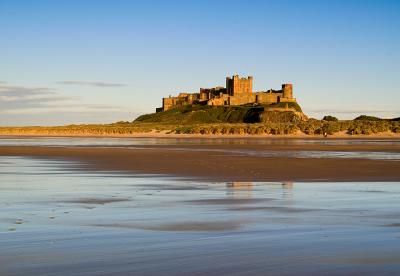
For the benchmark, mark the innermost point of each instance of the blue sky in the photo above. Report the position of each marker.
(93, 61)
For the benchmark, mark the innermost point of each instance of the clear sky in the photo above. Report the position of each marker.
(88, 61)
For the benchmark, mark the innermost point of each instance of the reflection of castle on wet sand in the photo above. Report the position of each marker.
(245, 189)
(239, 189)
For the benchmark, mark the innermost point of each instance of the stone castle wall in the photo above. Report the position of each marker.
(238, 91)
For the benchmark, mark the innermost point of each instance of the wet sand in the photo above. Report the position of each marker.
(229, 162)
(100, 201)
(187, 226)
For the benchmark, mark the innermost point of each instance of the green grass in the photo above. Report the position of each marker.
(194, 114)
(367, 118)
(330, 118)
(292, 105)
(123, 128)
(198, 114)
(373, 118)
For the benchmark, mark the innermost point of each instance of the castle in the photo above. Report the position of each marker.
(238, 91)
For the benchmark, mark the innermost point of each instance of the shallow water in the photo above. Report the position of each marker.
(136, 143)
(372, 155)
(56, 220)
(129, 141)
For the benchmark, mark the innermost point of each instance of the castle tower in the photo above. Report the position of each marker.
(287, 91)
(236, 86)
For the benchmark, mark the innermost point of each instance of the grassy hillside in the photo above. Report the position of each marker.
(190, 114)
(373, 118)
(293, 105)
(309, 127)
(223, 120)
(196, 114)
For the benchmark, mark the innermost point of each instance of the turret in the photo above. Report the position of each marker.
(287, 90)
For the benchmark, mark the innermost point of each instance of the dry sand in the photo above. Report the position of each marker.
(215, 163)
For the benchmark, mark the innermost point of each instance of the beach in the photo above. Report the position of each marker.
(195, 206)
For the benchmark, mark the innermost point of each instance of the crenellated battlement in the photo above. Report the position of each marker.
(238, 86)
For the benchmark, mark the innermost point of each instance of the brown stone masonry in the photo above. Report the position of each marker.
(238, 91)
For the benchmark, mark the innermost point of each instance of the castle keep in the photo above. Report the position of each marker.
(238, 91)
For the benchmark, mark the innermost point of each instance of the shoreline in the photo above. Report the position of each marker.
(216, 163)
(211, 136)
